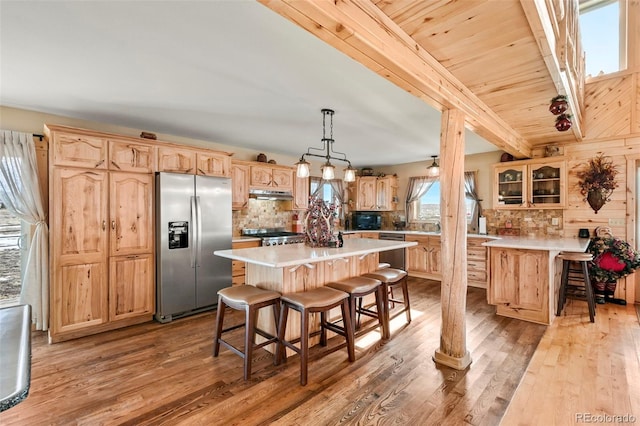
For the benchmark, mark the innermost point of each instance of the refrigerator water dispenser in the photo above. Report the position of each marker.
(178, 235)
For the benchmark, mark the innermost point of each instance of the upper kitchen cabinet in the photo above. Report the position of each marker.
(213, 164)
(530, 184)
(240, 176)
(131, 157)
(375, 193)
(301, 193)
(176, 159)
(75, 148)
(271, 177)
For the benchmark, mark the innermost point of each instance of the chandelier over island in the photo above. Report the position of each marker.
(328, 169)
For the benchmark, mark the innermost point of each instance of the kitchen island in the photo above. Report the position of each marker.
(298, 267)
(524, 277)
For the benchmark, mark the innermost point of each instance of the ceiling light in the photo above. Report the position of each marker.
(328, 169)
(433, 170)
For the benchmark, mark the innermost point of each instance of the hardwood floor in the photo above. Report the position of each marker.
(165, 374)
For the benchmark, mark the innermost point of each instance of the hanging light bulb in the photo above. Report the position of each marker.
(349, 174)
(433, 170)
(328, 171)
(302, 168)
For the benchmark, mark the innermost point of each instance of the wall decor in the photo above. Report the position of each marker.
(597, 181)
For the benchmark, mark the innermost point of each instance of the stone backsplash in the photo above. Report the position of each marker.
(262, 214)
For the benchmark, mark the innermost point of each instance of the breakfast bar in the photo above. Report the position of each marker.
(298, 267)
(525, 273)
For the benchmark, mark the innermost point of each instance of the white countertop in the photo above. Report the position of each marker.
(417, 233)
(299, 254)
(540, 243)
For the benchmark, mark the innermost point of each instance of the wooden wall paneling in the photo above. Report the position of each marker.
(633, 191)
(635, 112)
(608, 107)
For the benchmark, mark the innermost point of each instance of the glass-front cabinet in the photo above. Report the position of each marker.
(530, 184)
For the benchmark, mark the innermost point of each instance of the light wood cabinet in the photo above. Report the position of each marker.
(300, 193)
(213, 164)
(532, 184)
(373, 193)
(424, 260)
(238, 268)
(131, 157)
(269, 177)
(131, 284)
(176, 160)
(101, 237)
(518, 283)
(240, 175)
(477, 261)
(78, 150)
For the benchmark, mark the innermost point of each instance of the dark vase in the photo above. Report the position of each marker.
(563, 123)
(558, 107)
(596, 200)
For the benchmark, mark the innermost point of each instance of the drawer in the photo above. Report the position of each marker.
(476, 275)
(237, 267)
(237, 280)
(478, 265)
(477, 252)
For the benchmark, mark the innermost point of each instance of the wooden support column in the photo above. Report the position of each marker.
(453, 348)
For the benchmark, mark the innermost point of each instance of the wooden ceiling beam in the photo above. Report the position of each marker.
(363, 32)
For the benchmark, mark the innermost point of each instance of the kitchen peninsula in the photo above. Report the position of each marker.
(298, 267)
(525, 273)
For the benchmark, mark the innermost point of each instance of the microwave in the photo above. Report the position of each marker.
(367, 220)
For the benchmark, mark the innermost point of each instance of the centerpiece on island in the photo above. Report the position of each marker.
(597, 181)
(319, 223)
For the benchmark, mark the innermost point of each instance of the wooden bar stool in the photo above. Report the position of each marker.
(249, 299)
(391, 278)
(321, 300)
(357, 288)
(568, 282)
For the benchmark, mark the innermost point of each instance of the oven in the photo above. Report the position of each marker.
(274, 236)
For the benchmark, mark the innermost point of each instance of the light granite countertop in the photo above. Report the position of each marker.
(540, 243)
(299, 254)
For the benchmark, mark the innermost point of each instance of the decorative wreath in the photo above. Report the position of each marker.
(613, 258)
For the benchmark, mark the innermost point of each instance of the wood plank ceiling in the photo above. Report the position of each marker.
(488, 46)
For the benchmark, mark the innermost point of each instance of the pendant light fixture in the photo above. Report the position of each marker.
(433, 170)
(328, 169)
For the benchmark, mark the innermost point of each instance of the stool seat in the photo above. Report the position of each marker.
(247, 295)
(383, 265)
(570, 278)
(316, 298)
(387, 275)
(357, 288)
(355, 285)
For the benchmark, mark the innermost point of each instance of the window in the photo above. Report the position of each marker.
(427, 207)
(326, 192)
(10, 257)
(603, 33)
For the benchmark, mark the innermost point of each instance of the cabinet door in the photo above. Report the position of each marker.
(282, 179)
(503, 279)
(386, 193)
(366, 198)
(77, 150)
(131, 286)
(547, 188)
(131, 213)
(79, 214)
(518, 279)
(435, 256)
(510, 188)
(417, 257)
(79, 297)
(177, 160)
(301, 194)
(131, 157)
(213, 164)
(261, 176)
(240, 186)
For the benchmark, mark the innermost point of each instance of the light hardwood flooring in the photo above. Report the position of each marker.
(165, 374)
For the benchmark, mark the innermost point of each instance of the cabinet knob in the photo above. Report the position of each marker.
(104, 225)
(113, 225)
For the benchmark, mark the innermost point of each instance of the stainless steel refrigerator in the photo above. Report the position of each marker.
(193, 218)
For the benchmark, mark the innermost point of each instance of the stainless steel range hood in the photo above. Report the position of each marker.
(268, 194)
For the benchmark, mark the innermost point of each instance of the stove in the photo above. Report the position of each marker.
(274, 236)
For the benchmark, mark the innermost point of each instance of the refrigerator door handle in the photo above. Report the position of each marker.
(199, 230)
(192, 236)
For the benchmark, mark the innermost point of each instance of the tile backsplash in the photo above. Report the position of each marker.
(532, 223)
(262, 214)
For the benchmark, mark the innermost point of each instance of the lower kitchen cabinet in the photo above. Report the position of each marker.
(131, 286)
(519, 284)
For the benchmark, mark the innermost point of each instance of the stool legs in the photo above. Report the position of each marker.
(591, 300)
(564, 286)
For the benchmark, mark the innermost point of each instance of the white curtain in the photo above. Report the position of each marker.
(418, 186)
(470, 192)
(20, 192)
